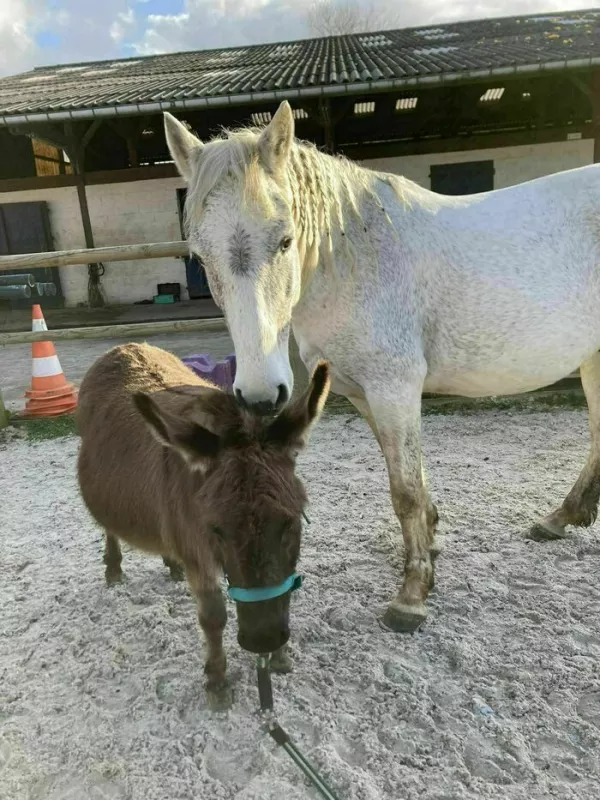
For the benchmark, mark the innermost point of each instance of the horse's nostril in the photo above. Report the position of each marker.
(283, 395)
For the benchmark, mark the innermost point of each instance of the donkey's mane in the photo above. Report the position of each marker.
(328, 192)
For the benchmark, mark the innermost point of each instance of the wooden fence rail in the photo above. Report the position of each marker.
(126, 331)
(69, 258)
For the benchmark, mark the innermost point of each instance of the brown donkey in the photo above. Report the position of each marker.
(171, 465)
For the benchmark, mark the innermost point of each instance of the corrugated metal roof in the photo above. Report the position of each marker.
(332, 65)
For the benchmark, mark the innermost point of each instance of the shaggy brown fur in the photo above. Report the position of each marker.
(171, 465)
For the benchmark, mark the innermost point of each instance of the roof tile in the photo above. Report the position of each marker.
(362, 58)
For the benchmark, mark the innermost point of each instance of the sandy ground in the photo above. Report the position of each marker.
(497, 697)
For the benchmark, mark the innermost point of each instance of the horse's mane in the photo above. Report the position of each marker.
(328, 193)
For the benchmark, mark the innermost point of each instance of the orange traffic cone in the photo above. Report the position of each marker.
(50, 395)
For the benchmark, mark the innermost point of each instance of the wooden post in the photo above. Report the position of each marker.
(326, 120)
(3, 413)
(76, 151)
(595, 102)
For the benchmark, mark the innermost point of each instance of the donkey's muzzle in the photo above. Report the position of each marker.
(267, 642)
(263, 627)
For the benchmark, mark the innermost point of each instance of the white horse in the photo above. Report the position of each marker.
(402, 291)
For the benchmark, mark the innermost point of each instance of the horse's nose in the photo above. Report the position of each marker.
(263, 408)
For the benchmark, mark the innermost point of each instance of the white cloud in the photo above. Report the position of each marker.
(122, 26)
(224, 23)
(17, 46)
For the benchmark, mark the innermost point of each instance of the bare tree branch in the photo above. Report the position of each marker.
(330, 18)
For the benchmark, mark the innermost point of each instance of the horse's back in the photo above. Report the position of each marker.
(505, 285)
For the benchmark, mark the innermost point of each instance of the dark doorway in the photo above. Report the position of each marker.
(469, 177)
(197, 283)
(25, 228)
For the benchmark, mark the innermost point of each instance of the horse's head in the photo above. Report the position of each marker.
(240, 224)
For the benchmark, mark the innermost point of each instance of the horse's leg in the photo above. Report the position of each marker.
(362, 407)
(112, 559)
(212, 616)
(176, 570)
(398, 421)
(581, 504)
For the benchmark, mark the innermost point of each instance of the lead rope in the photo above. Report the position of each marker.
(276, 732)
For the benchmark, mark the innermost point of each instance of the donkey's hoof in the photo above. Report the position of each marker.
(281, 663)
(220, 698)
(403, 618)
(546, 532)
(113, 577)
(177, 574)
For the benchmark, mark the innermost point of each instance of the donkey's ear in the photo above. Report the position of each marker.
(275, 141)
(183, 146)
(170, 417)
(292, 426)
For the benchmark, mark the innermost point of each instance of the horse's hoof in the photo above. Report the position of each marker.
(220, 698)
(403, 618)
(113, 577)
(546, 532)
(281, 663)
(435, 549)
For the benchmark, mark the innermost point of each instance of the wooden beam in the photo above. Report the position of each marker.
(3, 413)
(149, 173)
(595, 103)
(68, 258)
(130, 331)
(76, 151)
(483, 141)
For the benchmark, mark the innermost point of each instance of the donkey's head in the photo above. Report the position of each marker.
(250, 501)
(240, 224)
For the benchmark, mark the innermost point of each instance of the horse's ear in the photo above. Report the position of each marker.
(292, 426)
(275, 141)
(176, 419)
(183, 146)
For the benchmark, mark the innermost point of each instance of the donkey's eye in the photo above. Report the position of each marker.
(218, 533)
(285, 243)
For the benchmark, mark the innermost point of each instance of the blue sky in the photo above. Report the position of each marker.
(41, 32)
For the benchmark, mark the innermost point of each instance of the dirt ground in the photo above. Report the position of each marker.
(497, 697)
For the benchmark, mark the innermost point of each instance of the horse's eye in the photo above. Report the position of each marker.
(285, 243)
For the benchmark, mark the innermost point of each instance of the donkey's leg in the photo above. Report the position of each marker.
(212, 616)
(176, 570)
(112, 559)
(581, 504)
(281, 661)
(399, 425)
(432, 513)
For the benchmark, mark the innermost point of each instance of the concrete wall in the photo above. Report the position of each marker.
(146, 211)
(512, 164)
(121, 213)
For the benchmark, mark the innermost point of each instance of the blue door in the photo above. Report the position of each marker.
(197, 283)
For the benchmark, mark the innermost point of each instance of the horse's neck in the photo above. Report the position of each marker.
(329, 197)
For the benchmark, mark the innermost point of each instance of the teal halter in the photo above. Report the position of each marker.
(265, 592)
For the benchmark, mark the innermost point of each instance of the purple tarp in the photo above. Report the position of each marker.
(221, 373)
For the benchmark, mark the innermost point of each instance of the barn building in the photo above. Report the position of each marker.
(458, 108)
